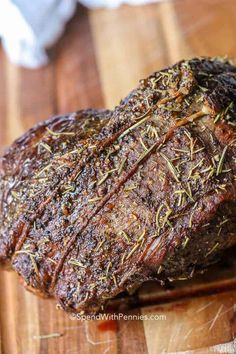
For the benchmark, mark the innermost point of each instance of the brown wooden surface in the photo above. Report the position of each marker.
(98, 60)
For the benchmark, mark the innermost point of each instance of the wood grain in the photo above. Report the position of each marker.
(76, 79)
(125, 53)
(3, 104)
(193, 324)
(98, 60)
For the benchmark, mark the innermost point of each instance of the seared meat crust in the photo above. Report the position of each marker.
(97, 202)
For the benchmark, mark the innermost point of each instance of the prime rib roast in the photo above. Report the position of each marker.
(96, 202)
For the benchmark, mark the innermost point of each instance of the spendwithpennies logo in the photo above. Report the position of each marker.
(119, 316)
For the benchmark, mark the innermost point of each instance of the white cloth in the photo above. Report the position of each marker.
(29, 27)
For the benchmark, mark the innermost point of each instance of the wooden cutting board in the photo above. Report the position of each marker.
(99, 59)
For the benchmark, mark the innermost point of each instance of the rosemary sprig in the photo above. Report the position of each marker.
(145, 153)
(76, 263)
(69, 188)
(223, 113)
(133, 250)
(108, 267)
(185, 242)
(105, 176)
(43, 170)
(52, 260)
(191, 220)
(189, 191)
(96, 199)
(221, 162)
(46, 147)
(171, 167)
(74, 151)
(25, 251)
(122, 164)
(99, 245)
(114, 279)
(158, 216)
(169, 211)
(103, 179)
(152, 132)
(15, 195)
(59, 133)
(194, 167)
(123, 258)
(212, 249)
(124, 234)
(181, 150)
(223, 222)
(142, 143)
(130, 188)
(141, 121)
(141, 236)
(48, 336)
(180, 193)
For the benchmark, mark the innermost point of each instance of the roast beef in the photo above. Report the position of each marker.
(95, 203)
